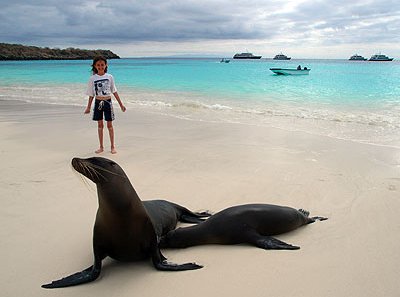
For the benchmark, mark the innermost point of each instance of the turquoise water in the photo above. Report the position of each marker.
(351, 100)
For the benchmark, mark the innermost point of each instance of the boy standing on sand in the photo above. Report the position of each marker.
(101, 85)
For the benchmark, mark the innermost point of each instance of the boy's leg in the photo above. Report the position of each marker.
(100, 126)
(111, 132)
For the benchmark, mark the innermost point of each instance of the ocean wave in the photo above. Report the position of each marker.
(225, 112)
(378, 126)
(180, 105)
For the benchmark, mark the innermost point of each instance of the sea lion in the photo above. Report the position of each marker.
(254, 224)
(125, 228)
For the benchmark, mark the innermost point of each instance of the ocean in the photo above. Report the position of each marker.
(350, 100)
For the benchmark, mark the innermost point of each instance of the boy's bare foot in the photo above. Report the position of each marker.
(113, 151)
(100, 150)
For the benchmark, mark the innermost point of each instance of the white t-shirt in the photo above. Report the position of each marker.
(101, 85)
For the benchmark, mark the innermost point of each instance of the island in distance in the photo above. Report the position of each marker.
(24, 52)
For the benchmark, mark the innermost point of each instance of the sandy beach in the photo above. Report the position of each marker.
(47, 210)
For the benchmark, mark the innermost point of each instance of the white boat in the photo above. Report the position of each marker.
(281, 57)
(357, 57)
(380, 57)
(246, 56)
(290, 71)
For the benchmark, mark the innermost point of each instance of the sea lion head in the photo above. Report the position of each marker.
(99, 170)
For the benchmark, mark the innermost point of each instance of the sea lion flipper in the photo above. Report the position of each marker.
(161, 263)
(191, 219)
(85, 276)
(319, 218)
(168, 266)
(271, 243)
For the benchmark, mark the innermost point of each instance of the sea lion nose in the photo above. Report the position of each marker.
(75, 162)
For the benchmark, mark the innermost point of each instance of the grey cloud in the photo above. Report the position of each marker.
(106, 22)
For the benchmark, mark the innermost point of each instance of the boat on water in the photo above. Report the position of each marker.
(290, 71)
(246, 56)
(223, 60)
(281, 57)
(357, 57)
(380, 57)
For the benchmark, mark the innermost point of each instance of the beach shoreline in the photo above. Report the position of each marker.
(362, 107)
(48, 212)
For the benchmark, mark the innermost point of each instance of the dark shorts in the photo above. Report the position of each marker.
(103, 107)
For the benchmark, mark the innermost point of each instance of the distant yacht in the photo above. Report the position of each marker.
(357, 58)
(380, 57)
(246, 56)
(281, 57)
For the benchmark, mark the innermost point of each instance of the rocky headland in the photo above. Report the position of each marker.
(24, 52)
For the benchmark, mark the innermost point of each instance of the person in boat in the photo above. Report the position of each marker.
(305, 68)
(299, 67)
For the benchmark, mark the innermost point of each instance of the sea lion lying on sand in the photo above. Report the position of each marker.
(254, 224)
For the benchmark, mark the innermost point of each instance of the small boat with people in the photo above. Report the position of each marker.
(281, 57)
(380, 57)
(291, 71)
(223, 60)
(246, 56)
(357, 57)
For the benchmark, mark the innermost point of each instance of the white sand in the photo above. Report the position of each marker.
(47, 212)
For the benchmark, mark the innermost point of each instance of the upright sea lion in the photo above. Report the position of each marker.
(254, 224)
(125, 228)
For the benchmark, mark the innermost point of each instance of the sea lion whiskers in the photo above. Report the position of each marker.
(93, 166)
(86, 181)
(93, 172)
(87, 171)
(83, 179)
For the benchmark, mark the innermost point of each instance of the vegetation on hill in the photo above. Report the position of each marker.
(23, 52)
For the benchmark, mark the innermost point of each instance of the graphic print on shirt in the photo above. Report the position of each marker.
(102, 87)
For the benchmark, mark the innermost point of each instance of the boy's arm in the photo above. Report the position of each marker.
(123, 108)
(87, 110)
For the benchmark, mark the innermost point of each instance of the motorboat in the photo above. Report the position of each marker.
(357, 57)
(281, 57)
(290, 71)
(380, 57)
(246, 56)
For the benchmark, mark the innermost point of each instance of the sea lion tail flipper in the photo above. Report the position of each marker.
(191, 219)
(310, 220)
(271, 243)
(313, 219)
(188, 216)
(306, 213)
(85, 276)
(319, 218)
(203, 214)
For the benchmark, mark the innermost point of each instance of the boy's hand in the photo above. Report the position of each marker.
(123, 108)
(87, 110)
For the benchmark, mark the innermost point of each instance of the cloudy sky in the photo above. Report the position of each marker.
(131, 28)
